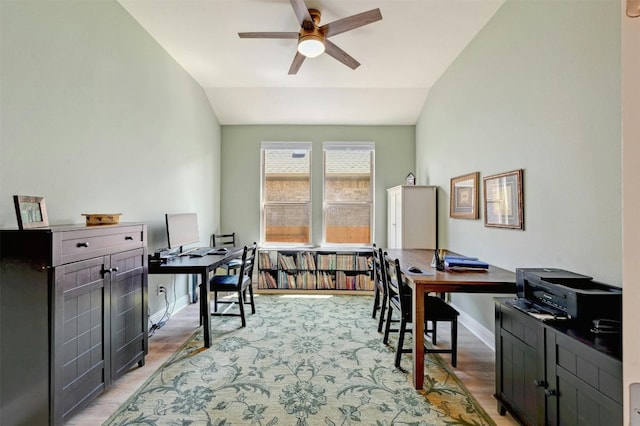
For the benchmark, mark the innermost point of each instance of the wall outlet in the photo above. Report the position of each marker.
(634, 396)
(161, 289)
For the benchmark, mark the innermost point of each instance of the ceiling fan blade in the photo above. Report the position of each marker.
(269, 35)
(297, 63)
(302, 13)
(351, 22)
(339, 54)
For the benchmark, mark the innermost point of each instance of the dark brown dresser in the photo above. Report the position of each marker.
(73, 317)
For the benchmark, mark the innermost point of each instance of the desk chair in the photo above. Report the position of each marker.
(226, 240)
(435, 310)
(236, 283)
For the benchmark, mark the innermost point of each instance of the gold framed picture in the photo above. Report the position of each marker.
(503, 200)
(463, 196)
(31, 212)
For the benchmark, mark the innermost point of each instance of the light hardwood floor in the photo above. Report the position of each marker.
(476, 369)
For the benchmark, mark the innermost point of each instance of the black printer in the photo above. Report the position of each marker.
(569, 295)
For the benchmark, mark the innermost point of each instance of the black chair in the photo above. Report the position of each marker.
(228, 241)
(435, 310)
(222, 240)
(380, 300)
(236, 283)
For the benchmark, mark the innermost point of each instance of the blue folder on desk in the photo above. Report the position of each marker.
(464, 263)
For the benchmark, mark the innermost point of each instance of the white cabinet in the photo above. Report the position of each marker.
(412, 217)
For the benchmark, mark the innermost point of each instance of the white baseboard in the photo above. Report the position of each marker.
(485, 335)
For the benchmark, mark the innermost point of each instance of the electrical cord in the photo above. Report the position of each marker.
(168, 312)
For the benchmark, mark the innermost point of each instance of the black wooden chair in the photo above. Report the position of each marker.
(380, 299)
(226, 241)
(236, 283)
(435, 310)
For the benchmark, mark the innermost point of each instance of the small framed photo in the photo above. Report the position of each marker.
(503, 200)
(463, 197)
(31, 212)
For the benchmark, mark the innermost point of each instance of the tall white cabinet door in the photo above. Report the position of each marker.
(412, 217)
(394, 239)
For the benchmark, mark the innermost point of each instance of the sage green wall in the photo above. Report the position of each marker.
(537, 89)
(98, 118)
(240, 194)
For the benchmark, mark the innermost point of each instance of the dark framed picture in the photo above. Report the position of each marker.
(503, 201)
(463, 196)
(31, 212)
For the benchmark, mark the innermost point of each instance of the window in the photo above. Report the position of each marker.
(348, 192)
(286, 192)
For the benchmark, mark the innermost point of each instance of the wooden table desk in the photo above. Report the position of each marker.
(495, 280)
(202, 266)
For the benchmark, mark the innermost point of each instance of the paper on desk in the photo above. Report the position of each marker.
(542, 316)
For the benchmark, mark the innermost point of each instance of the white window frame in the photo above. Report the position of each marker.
(362, 146)
(295, 146)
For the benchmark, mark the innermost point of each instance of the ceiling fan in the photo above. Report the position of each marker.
(313, 40)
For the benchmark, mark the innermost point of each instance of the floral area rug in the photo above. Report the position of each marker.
(300, 361)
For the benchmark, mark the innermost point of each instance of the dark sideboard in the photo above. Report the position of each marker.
(73, 317)
(556, 372)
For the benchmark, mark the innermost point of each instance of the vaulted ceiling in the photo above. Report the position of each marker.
(247, 80)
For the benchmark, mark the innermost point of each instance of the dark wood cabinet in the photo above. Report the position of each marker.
(519, 366)
(556, 373)
(73, 317)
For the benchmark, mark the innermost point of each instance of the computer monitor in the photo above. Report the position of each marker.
(182, 229)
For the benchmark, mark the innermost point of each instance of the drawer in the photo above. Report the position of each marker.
(76, 245)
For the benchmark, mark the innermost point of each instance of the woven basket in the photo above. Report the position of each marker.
(102, 218)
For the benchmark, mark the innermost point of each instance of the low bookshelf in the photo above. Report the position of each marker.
(315, 270)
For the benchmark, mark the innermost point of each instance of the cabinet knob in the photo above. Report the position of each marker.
(549, 392)
(129, 238)
(540, 383)
(84, 244)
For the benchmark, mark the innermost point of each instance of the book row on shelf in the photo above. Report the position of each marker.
(312, 280)
(310, 261)
(308, 269)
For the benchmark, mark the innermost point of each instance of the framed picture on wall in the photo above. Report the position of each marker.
(463, 196)
(30, 211)
(503, 200)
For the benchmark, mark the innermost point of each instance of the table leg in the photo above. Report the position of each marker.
(194, 288)
(418, 336)
(204, 308)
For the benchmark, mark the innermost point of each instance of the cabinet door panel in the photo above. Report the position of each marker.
(581, 405)
(597, 369)
(520, 369)
(519, 373)
(394, 239)
(128, 316)
(80, 294)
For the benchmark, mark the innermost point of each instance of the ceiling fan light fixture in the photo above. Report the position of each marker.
(311, 45)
